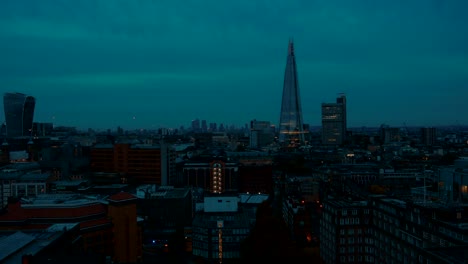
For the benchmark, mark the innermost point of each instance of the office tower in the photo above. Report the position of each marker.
(428, 135)
(390, 134)
(291, 127)
(334, 121)
(204, 126)
(19, 112)
(196, 125)
(213, 127)
(261, 133)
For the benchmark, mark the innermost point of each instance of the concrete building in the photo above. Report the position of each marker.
(384, 229)
(345, 232)
(57, 243)
(334, 121)
(217, 231)
(127, 232)
(213, 175)
(428, 136)
(261, 134)
(453, 182)
(22, 180)
(166, 210)
(107, 226)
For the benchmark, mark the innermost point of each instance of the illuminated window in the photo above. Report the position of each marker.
(465, 188)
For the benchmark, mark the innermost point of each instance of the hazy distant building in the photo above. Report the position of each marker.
(428, 136)
(19, 113)
(291, 124)
(390, 134)
(213, 127)
(42, 129)
(204, 126)
(334, 121)
(196, 125)
(261, 133)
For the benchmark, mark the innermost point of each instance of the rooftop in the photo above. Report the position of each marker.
(162, 192)
(122, 196)
(15, 245)
(252, 198)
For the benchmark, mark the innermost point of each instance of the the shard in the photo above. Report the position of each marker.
(291, 128)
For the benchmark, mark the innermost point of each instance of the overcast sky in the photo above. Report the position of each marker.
(162, 63)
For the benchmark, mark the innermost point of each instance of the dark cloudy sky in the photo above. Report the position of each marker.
(153, 63)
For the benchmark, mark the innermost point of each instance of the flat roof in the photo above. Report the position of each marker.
(13, 243)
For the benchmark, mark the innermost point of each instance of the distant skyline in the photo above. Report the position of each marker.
(149, 64)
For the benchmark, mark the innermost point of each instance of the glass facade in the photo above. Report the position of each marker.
(291, 124)
(19, 113)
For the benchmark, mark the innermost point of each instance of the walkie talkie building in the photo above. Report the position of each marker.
(19, 113)
(291, 128)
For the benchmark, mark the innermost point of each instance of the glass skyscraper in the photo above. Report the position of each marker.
(19, 113)
(291, 128)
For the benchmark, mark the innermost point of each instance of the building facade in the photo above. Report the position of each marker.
(219, 229)
(22, 180)
(334, 123)
(215, 176)
(19, 113)
(387, 230)
(140, 164)
(291, 127)
(428, 136)
(261, 134)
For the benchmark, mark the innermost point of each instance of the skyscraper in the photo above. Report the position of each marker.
(19, 113)
(334, 121)
(291, 125)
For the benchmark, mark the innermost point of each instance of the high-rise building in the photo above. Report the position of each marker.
(334, 121)
(196, 125)
(204, 126)
(428, 135)
(19, 112)
(261, 133)
(291, 124)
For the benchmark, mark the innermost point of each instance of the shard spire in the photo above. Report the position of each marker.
(291, 124)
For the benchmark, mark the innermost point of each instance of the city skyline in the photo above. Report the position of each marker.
(147, 64)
